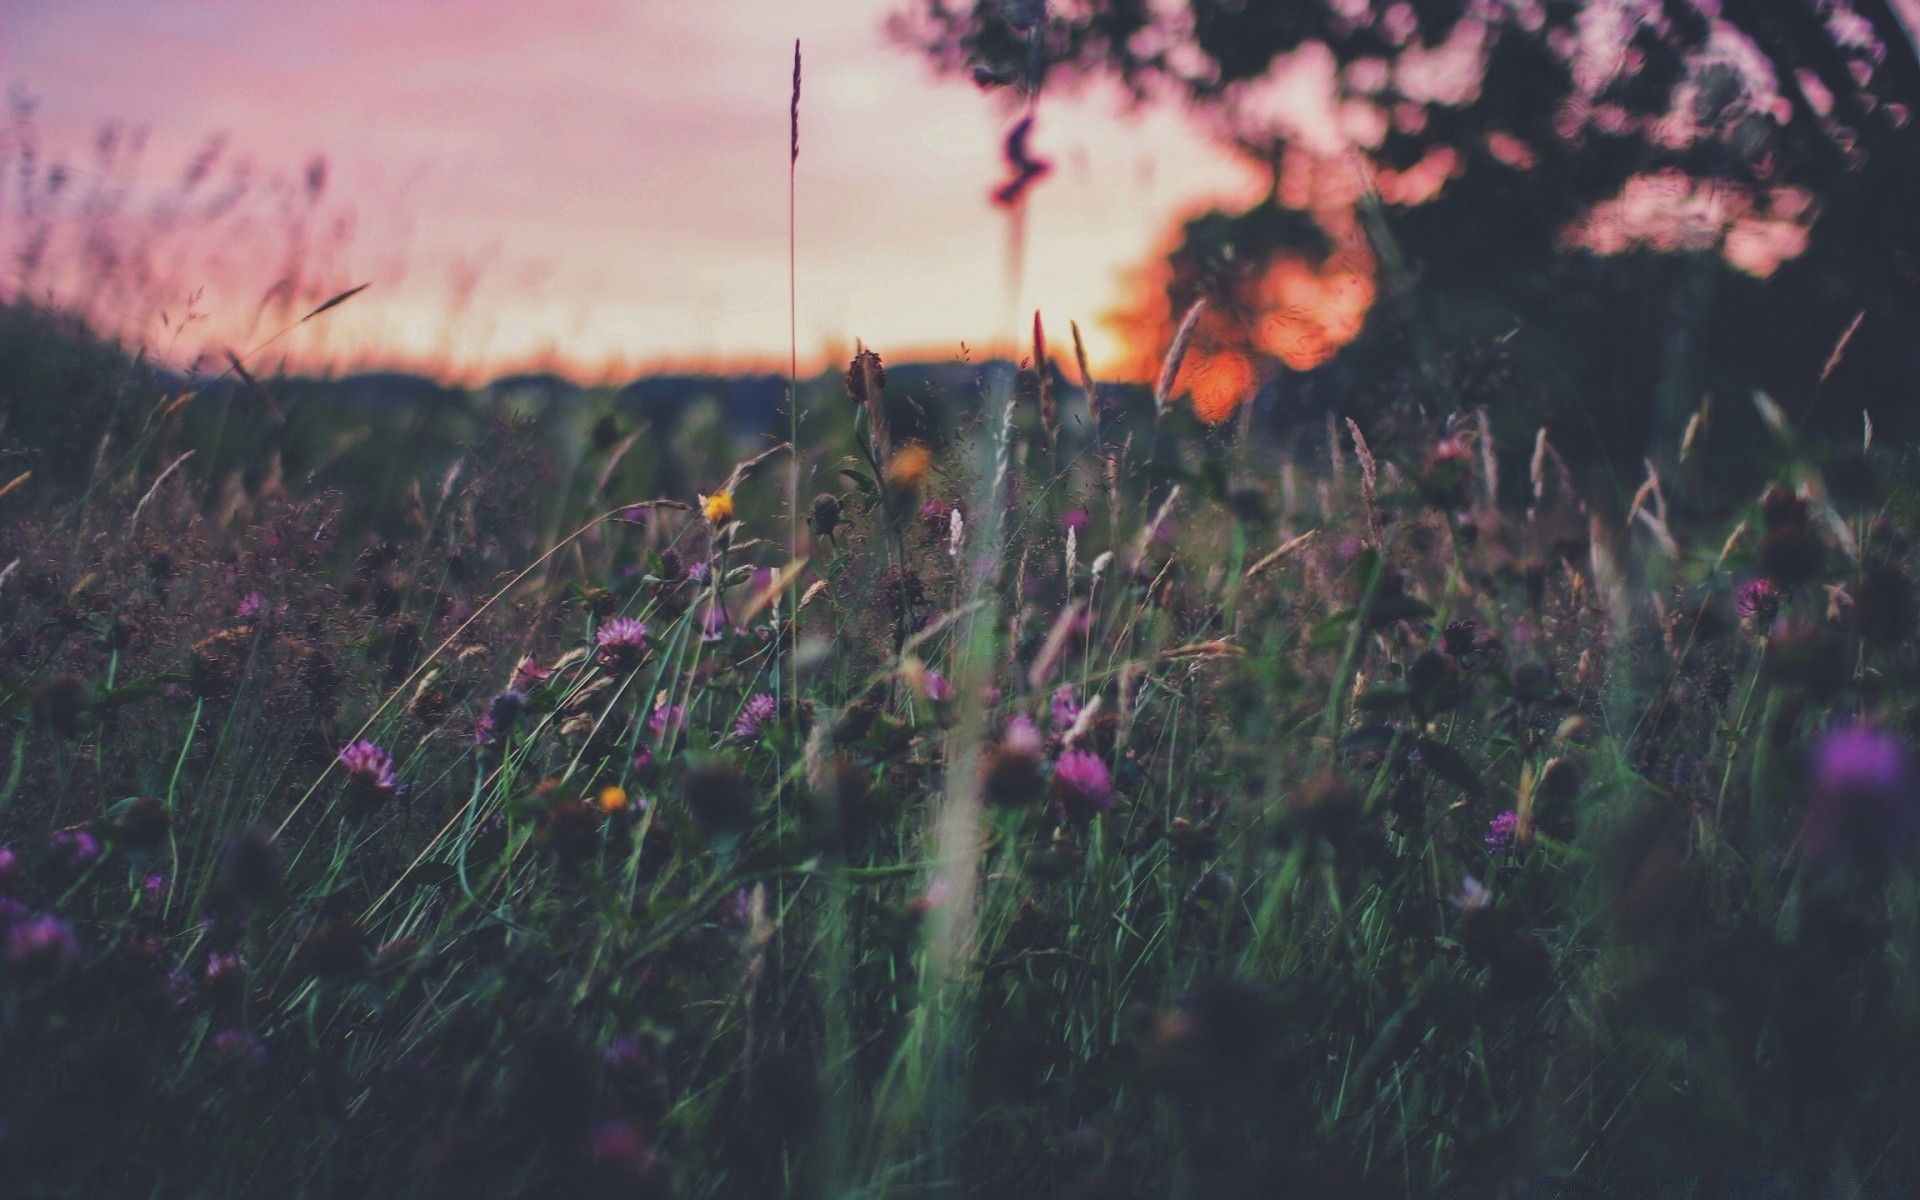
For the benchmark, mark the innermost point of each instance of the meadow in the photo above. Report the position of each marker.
(1084, 801)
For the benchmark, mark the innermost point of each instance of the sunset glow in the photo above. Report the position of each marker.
(586, 185)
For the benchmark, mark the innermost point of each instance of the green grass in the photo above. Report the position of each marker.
(861, 951)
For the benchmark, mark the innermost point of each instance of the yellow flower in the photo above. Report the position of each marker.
(612, 798)
(718, 507)
(908, 466)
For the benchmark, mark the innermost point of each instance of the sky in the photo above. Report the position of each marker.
(593, 185)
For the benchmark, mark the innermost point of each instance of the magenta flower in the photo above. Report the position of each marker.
(758, 713)
(1863, 811)
(38, 947)
(935, 687)
(368, 767)
(1758, 600)
(1064, 710)
(529, 675)
(238, 1050)
(1076, 519)
(252, 608)
(74, 850)
(1502, 831)
(1082, 788)
(666, 720)
(1022, 737)
(621, 643)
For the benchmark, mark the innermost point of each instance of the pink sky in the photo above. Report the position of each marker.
(614, 173)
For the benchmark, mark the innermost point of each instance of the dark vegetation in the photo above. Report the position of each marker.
(1475, 760)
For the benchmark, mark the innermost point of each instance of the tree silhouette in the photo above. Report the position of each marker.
(1682, 195)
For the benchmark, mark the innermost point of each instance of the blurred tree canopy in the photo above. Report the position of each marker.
(1638, 201)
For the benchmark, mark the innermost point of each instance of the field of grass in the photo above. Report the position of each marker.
(1094, 803)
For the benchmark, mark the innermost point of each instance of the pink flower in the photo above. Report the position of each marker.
(1502, 831)
(1758, 600)
(368, 767)
(1065, 710)
(935, 687)
(529, 675)
(1865, 811)
(666, 720)
(1082, 788)
(757, 714)
(621, 643)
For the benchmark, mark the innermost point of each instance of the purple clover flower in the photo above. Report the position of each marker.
(1758, 600)
(1022, 737)
(935, 687)
(237, 1049)
(759, 712)
(74, 850)
(666, 720)
(1082, 788)
(1864, 811)
(1503, 831)
(620, 643)
(252, 608)
(38, 947)
(529, 675)
(1064, 709)
(368, 767)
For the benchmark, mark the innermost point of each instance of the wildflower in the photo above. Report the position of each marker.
(666, 720)
(38, 948)
(621, 1161)
(529, 675)
(153, 890)
(713, 622)
(717, 508)
(13, 877)
(908, 466)
(1863, 810)
(1449, 473)
(73, 850)
(224, 979)
(502, 712)
(236, 1049)
(620, 643)
(611, 798)
(935, 687)
(369, 772)
(252, 608)
(1076, 520)
(825, 517)
(758, 712)
(645, 769)
(1082, 788)
(1503, 831)
(1758, 601)
(1064, 709)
